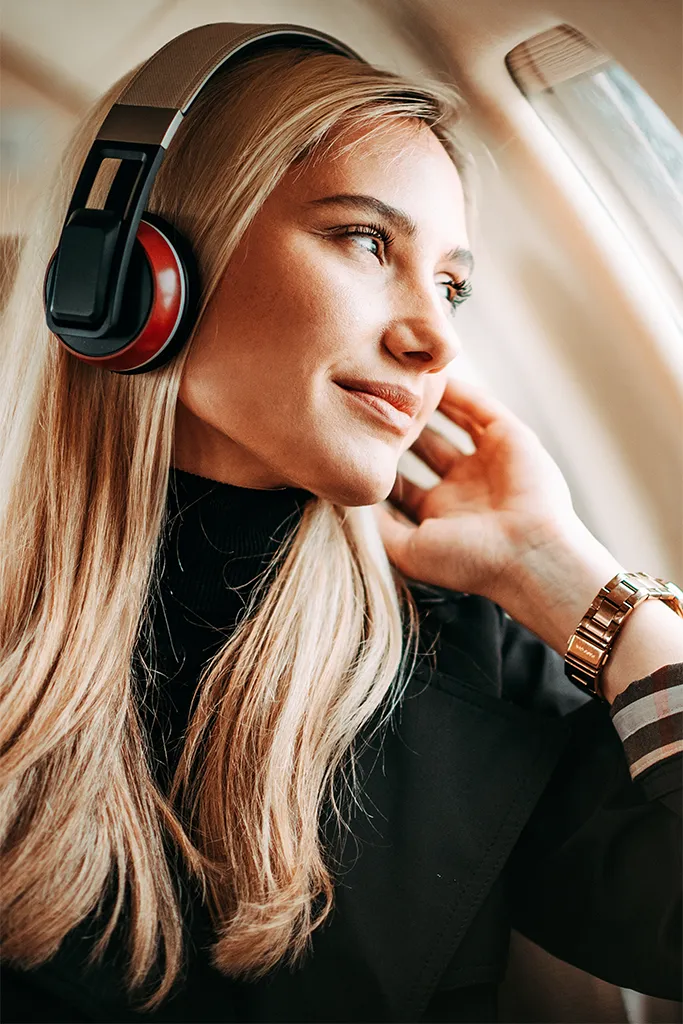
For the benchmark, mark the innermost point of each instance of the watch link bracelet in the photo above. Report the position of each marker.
(591, 643)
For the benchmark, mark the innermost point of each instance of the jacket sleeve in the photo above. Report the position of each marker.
(595, 877)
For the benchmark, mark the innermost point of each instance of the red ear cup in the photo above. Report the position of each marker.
(169, 299)
(160, 303)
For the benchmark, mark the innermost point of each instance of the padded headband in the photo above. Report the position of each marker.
(161, 92)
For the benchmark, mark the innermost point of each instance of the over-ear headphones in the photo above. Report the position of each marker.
(121, 289)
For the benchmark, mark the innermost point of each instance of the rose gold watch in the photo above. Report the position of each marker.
(591, 643)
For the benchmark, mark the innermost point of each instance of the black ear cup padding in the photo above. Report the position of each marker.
(135, 308)
(192, 292)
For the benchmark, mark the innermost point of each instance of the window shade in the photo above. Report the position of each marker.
(552, 57)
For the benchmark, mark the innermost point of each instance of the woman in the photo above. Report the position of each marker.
(250, 772)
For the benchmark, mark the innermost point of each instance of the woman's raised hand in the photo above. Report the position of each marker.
(488, 510)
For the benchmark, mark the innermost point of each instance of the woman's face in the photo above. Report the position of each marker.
(314, 296)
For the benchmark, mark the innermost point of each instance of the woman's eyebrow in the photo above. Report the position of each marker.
(402, 221)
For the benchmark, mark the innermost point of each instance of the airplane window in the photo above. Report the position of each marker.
(619, 138)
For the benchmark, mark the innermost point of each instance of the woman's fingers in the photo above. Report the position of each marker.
(464, 401)
(436, 451)
(407, 496)
(397, 534)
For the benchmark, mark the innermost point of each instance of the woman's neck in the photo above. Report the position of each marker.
(219, 537)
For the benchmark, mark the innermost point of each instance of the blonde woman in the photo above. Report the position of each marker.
(271, 750)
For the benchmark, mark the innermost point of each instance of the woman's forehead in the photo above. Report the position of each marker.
(380, 143)
(402, 164)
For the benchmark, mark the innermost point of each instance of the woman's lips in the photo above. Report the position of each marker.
(379, 408)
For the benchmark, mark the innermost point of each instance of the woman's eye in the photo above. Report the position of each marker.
(456, 292)
(450, 293)
(372, 238)
(377, 241)
(373, 244)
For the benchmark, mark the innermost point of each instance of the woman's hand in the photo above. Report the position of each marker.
(488, 510)
(500, 523)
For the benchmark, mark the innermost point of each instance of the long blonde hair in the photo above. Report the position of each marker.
(84, 468)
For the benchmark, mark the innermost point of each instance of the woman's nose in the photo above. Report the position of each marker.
(424, 333)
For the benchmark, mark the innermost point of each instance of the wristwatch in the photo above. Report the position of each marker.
(590, 645)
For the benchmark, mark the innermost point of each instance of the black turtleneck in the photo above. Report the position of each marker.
(217, 541)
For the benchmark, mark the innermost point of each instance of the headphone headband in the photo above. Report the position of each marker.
(87, 286)
(163, 89)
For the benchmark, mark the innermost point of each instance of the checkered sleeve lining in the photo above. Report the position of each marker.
(647, 716)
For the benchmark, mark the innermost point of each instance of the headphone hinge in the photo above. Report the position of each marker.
(108, 234)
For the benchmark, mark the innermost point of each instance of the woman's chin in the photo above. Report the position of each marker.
(360, 488)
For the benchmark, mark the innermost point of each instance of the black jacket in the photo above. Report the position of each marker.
(500, 798)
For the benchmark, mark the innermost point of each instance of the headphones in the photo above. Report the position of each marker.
(122, 289)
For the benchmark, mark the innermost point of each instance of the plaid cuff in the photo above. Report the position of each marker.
(647, 716)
